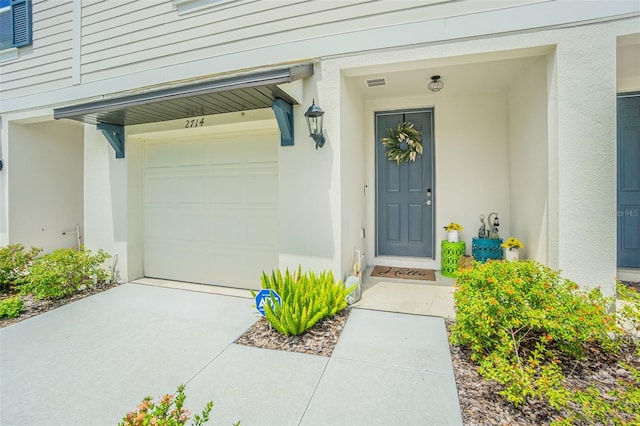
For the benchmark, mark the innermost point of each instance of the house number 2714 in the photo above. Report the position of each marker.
(194, 122)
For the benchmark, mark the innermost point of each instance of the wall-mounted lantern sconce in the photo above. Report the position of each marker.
(315, 116)
(435, 84)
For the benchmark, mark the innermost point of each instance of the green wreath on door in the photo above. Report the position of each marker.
(404, 133)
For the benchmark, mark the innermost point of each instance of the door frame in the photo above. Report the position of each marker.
(621, 214)
(433, 179)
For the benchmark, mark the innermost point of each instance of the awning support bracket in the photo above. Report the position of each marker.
(115, 136)
(284, 116)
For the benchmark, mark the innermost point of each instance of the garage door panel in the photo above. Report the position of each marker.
(262, 188)
(175, 223)
(158, 188)
(260, 152)
(229, 266)
(189, 225)
(257, 262)
(226, 188)
(227, 227)
(176, 260)
(208, 263)
(211, 209)
(156, 222)
(190, 154)
(241, 267)
(225, 152)
(262, 226)
(159, 155)
(189, 189)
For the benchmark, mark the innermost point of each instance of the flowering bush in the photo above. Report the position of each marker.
(512, 243)
(453, 227)
(521, 318)
(168, 411)
(14, 264)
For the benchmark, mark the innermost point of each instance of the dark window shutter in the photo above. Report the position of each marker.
(21, 31)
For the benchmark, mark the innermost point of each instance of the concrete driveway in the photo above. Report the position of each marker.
(91, 361)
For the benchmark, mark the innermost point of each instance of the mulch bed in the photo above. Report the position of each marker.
(634, 285)
(481, 403)
(33, 307)
(320, 340)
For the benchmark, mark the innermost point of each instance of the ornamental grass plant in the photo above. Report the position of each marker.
(305, 299)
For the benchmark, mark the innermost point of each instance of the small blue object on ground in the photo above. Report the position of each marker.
(265, 295)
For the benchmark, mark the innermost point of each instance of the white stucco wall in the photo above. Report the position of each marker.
(472, 163)
(44, 169)
(309, 189)
(586, 106)
(353, 147)
(105, 198)
(4, 192)
(528, 160)
(135, 180)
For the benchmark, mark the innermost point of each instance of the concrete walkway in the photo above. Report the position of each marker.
(89, 362)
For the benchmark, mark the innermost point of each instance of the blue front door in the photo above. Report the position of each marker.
(404, 194)
(629, 181)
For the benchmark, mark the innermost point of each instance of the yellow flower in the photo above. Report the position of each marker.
(512, 243)
(453, 227)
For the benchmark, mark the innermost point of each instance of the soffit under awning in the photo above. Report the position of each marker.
(227, 94)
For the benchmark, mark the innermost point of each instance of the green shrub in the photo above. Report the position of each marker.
(168, 411)
(306, 299)
(519, 318)
(513, 303)
(618, 406)
(11, 307)
(14, 264)
(63, 272)
(628, 307)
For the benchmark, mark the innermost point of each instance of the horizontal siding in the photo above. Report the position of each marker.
(123, 37)
(151, 35)
(47, 64)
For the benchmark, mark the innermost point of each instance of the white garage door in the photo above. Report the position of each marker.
(211, 209)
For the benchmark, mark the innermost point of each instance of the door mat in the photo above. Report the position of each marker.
(404, 273)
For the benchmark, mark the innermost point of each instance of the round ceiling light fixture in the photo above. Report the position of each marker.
(435, 84)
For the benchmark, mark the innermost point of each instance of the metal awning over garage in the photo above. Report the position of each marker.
(227, 94)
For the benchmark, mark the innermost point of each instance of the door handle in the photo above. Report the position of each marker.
(428, 203)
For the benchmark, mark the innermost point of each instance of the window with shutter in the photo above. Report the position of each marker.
(5, 24)
(21, 34)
